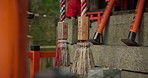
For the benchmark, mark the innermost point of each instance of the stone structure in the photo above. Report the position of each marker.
(115, 53)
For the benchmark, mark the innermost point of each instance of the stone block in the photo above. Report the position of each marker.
(72, 31)
(62, 30)
(125, 74)
(104, 73)
(122, 57)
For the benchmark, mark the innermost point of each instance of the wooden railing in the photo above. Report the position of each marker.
(35, 56)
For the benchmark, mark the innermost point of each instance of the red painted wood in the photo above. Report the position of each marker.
(35, 56)
(47, 54)
(35, 63)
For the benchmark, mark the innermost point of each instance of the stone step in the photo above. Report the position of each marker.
(122, 57)
(125, 74)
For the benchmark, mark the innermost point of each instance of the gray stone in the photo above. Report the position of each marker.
(55, 73)
(30, 42)
(125, 74)
(72, 31)
(104, 73)
(122, 57)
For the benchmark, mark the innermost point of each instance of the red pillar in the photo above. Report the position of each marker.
(13, 45)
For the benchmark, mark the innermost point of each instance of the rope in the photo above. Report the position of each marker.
(62, 9)
(84, 7)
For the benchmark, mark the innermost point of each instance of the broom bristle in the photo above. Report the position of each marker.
(65, 57)
(62, 54)
(58, 54)
(83, 59)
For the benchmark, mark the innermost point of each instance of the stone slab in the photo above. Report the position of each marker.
(124, 57)
(104, 73)
(125, 74)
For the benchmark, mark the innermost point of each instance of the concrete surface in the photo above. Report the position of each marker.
(104, 73)
(30, 42)
(125, 74)
(124, 57)
(72, 31)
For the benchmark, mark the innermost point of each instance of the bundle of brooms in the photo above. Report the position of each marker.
(83, 57)
(62, 52)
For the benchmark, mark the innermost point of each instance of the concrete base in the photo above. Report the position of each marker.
(104, 73)
(123, 57)
(125, 74)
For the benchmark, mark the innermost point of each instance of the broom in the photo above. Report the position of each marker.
(83, 58)
(62, 52)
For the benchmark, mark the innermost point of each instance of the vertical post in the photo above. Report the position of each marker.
(35, 60)
(13, 39)
(99, 17)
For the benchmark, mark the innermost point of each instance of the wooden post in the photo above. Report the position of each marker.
(35, 56)
(13, 39)
(35, 61)
(83, 28)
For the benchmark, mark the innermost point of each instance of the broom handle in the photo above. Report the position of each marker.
(136, 20)
(106, 16)
(137, 16)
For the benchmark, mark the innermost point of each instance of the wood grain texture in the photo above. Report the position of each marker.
(83, 28)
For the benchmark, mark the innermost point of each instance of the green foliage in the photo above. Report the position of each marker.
(49, 7)
(43, 29)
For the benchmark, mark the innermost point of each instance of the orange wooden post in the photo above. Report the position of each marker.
(97, 36)
(99, 18)
(35, 61)
(13, 39)
(135, 24)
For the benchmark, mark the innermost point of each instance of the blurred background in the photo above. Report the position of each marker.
(42, 28)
